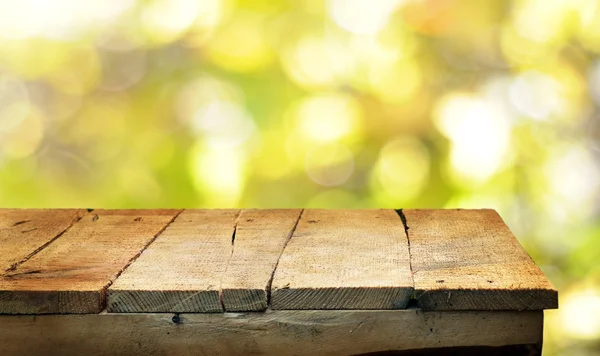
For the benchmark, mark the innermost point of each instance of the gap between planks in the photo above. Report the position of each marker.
(71, 275)
(16, 265)
(270, 282)
(280, 254)
(181, 270)
(260, 240)
(135, 257)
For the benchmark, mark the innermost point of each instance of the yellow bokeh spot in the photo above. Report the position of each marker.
(401, 170)
(223, 123)
(14, 102)
(361, 17)
(33, 58)
(536, 95)
(543, 21)
(79, 74)
(328, 117)
(580, 314)
(573, 91)
(395, 82)
(589, 30)
(396, 41)
(480, 135)
(218, 174)
(22, 139)
(13, 114)
(201, 92)
(165, 21)
(240, 45)
(210, 14)
(330, 164)
(316, 61)
(519, 50)
(573, 177)
(61, 20)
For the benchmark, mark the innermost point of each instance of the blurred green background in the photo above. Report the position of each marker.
(345, 103)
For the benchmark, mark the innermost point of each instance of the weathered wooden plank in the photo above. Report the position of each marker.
(344, 259)
(281, 332)
(23, 232)
(71, 274)
(181, 271)
(259, 241)
(469, 260)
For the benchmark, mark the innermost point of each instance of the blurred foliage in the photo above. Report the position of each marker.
(346, 103)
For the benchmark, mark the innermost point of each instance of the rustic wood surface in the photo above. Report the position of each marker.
(181, 271)
(344, 259)
(469, 260)
(281, 332)
(71, 274)
(63, 261)
(260, 238)
(23, 232)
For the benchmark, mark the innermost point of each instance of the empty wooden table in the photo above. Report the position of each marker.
(312, 281)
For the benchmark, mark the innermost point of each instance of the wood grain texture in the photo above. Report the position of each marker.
(469, 260)
(181, 271)
(259, 241)
(281, 332)
(344, 259)
(23, 232)
(71, 274)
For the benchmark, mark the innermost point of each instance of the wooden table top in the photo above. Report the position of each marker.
(85, 261)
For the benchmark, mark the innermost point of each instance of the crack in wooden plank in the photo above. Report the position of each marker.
(16, 265)
(270, 283)
(237, 217)
(406, 228)
(47, 273)
(20, 222)
(13, 275)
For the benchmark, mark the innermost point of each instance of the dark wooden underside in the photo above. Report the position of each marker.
(280, 332)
